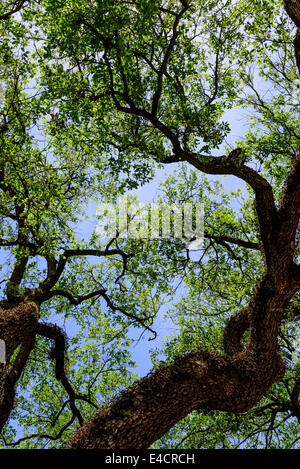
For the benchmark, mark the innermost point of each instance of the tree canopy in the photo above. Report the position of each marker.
(95, 98)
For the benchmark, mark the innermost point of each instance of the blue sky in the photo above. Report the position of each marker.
(147, 193)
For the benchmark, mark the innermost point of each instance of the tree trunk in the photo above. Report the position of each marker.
(17, 330)
(232, 382)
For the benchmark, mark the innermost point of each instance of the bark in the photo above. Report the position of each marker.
(17, 6)
(17, 326)
(231, 382)
(239, 378)
(292, 8)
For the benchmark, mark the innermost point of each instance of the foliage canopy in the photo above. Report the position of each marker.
(96, 97)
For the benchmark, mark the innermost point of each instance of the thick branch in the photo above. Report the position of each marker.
(236, 241)
(55, 333)
(17, 7)
(292, 8)
(289, 212)
(235, 328)
(233, 382)
(17, 327)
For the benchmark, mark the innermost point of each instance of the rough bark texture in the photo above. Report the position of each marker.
(231, 382)
(17, 329)
(239, 378)
(293, 10)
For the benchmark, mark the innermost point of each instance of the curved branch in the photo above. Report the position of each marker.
(234, 330)
(289, 213)
(233, 382)
(17, 328)
(230, 239)
(40, 436)
(17, 7)
(110, 304)
(56, 334)
(292, 7)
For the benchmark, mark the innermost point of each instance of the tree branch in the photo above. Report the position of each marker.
(56, 334)
(164, 64)
(230, 239)
(17, 7)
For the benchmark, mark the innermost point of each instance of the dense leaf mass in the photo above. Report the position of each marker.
(96, 98)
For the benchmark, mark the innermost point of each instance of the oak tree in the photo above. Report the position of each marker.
(96, 96)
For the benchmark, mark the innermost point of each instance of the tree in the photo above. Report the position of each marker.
(127, 86)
